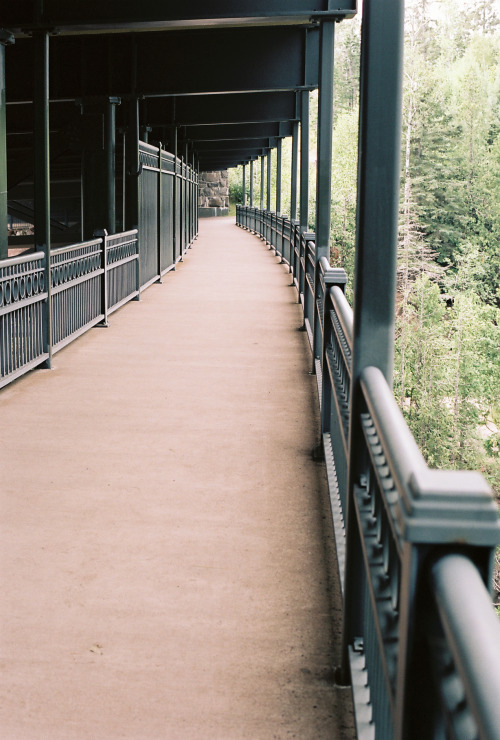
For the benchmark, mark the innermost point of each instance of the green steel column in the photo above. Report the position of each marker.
(244, 187)
(110, 148)
(251, 183)
(42, 171)
(5, 38)
(324, 150)
(159, 212)
(132, 210)
(262, 172)
(98, 166)
(268, 192)
(174, 192)
(304, 161)
(278, 176)
(376, 248)
(295, 158)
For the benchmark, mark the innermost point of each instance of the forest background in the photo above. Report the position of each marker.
(447, 369)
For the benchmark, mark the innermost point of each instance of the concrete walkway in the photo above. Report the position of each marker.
(164, 530)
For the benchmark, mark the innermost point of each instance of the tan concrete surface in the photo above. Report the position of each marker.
(163, 525)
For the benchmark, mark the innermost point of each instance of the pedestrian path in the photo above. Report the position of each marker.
(165, 535)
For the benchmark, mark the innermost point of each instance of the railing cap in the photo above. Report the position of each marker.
(450, 506)
(335, 276)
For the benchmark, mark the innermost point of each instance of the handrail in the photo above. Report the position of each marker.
(21, 259)
(402, 516)
(472, 630)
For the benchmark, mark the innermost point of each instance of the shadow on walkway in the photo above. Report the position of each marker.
(164, 527)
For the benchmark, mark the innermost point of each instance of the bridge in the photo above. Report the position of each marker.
(192, 544)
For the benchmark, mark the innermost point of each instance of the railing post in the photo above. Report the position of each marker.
(42, 173)
(5, 38)
(376, 245)
(328, 279)
(102, 234)
(138, 266)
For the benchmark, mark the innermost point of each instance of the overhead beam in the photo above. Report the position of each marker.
(238, 131)
(124, 15)
(281, 58)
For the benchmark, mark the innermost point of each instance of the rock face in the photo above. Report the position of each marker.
(214, 194)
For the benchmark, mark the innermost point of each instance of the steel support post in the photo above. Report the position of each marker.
(109, 149)
(268, 189)
(174, 193)
(42, 172)
(304, 161)
(324, 148)
(98, 166)
(5, 38)
(295, 159)
(376, 249)
(278, 176)
(132, 209)
(251, 183)
(323, 166)
(262, 173)
(244, 187)
(159, 211)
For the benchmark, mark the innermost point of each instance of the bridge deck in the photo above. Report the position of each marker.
(163, 526)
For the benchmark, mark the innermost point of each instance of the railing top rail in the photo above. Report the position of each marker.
(344, 312)
(131, 232)
(149, 148)
(22, 259)
(77, 245)
(432, 504)
(462, 600)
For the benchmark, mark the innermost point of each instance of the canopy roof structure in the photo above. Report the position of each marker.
(222, 78)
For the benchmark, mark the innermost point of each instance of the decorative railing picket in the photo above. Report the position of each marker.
(22, 298)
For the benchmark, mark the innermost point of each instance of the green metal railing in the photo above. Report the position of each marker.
(90, 280)
(415, 546)
(168, 216)
(22, 296)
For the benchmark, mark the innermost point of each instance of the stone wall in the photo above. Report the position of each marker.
(214, 194)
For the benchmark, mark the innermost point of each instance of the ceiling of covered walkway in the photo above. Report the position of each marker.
(224, 74)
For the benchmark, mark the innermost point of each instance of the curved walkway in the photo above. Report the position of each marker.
(164, 530)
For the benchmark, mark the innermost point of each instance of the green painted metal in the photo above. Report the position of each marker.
(6, 38)
(98, 166)
(262, 184)
(42, 172)
(278, 175)
(294, 172)
(128, 15)
(251, 183)
(133, 168)
(376, 249)
(324, 146)
(304, 161)
(268, 187)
